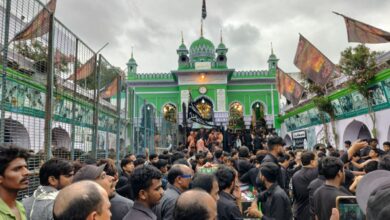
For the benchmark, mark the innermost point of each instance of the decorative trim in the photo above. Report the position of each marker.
(167, 92)
(251, 90)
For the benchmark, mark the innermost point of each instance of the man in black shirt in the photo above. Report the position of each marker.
(372, 144)
(300, 182)
(275, 204)
(324, 198)
(275, 148)
(227, 204)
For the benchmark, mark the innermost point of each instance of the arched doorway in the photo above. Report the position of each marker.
(16, 133)
(258, 120)
(148, 127)
(287, 140)
(60, 138)
(236, 116)
(356, 130)
(169, 127)
(205, 108)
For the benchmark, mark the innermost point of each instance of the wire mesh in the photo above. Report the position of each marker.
(25, 63)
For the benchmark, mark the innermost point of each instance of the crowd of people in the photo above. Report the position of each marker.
(203, 181)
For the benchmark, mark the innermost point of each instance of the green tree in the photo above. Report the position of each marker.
(359, 63)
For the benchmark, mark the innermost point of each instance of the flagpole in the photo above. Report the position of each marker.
(4, 73)
(49, 91)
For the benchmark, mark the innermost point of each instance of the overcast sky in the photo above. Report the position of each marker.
(153, 28)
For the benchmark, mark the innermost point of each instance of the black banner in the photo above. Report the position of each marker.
(195, 116)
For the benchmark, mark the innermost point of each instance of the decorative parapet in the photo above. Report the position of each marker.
(251, 74)
(154, 76)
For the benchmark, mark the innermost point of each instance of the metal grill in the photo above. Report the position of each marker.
(50, 86)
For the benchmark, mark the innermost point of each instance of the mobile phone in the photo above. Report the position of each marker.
(349, 208)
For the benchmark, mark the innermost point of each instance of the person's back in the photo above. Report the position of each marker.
(300, 183)
(40, 204)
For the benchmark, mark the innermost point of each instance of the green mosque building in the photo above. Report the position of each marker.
(230, 98)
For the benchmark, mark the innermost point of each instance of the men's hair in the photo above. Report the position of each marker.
(203, 181)
(225, 176)
(152, 156)
(218, 153)
(174, 172)
(141, 156)
(384, 163)
(371, 166)
(347, 142)
(139, 161)
(177, 155)
(128, 155)
(141, 178)
(274, 141)
(10, 153)
(200, 155)
(78, 206)
(319, 167)
(331, 166)
(160, 163)
(376, 150)
(191, 209)
(334, 154)
(373, 139)
(260, 156)
(54, 167)
(110, 167)
(243, 152)
(182, 161)
(386, 143)
(270, 171)
(125, 161)
(307, 157)
(285, 157)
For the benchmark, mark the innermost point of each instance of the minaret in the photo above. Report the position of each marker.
(272, 62)
(131, 67)
(184, 60)
(221, 54)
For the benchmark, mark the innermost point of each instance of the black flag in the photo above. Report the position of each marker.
(204, 12)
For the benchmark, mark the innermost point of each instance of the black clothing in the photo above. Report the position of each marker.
(313, 186)
(257, 144)
(250, 177)
(300, 182)
(325, 199)
(227, 207)
(120, 206)
(286, 179)
(365, 151)
(140, 212)
(275, 204)
(271, 158)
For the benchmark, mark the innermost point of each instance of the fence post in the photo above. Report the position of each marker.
(4, 74)
(95, 129)
(73, 135)
(118, 123)
(49, 90)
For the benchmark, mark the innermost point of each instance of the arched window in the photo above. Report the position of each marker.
(236, 116)
(258, 115)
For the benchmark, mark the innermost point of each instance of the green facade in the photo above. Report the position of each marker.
(203, 72)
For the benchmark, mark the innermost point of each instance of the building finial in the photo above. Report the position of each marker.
(201, 28)
(182, 38)
(221, 37)
(132, 50)
(272, 49)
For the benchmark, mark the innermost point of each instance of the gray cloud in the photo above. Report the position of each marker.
(153, 28)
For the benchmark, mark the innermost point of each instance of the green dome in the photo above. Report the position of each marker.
(221, 46)
(182, 47)
(202, 50)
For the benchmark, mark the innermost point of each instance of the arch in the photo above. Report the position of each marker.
(16, 133)
(262, 103)
(236, 115)
(288, 140)
(60, 138)
(169, 111)
(388, 134)
(243, 106)
(257, 114)
(205, 107)
(206, 98)
(356, 130)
